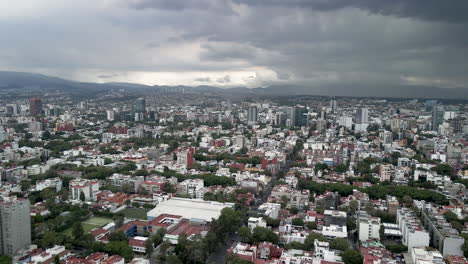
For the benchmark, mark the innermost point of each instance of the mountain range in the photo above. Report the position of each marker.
(11, 81)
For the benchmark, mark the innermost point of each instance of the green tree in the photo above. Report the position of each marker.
(149, 247)
(352, 257)
(117, 236)
(353, 206)
(311, 225)
(77, 230)
(261, 234)
(339, 244)
(450, 216)
(82, 197)
(294, 245)
(397, 248)
(25, 185)
(245, 234)
(294, 210)
(229, 220)
(298, 222)
(340, 168)
(120, 248)
(309, 241)
(6, 260)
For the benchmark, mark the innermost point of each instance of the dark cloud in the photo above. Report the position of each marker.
(368, 42)
(170, 5)
(450, 11)
(227, 51)
(283, 75)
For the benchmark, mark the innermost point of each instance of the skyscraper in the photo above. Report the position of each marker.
(252, 115)
(15, 225)
(139, 105)
(35, 106)
(362, 116)
(300, 116)
(333, 106)
(437, 116)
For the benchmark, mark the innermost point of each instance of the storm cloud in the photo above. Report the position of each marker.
(252, 42)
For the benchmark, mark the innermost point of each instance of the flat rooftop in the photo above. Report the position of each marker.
(189, 209)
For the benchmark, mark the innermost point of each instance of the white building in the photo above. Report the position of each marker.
(189, 209)
(334, 231)
(346, 121)
(369, 228)
(271, 209)
(110, 115)
(334, 224)
(420, 255)
(322, 252)
(386, 172)
(138, 244)
(190, 187)
(413, 234)
(53, 182)
(254, 222)
(88, 187)
(37, 169)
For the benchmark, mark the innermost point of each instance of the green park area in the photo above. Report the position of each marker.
(135, 213)
(90, 224)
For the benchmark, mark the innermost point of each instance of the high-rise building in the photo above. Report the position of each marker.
(290, 116)
(35, 106)
(369, 227)
(15, 225)
(280, 118)
(437, 116)
(333, 106)
(362, 116)
(139, 105)
(110, 115)
(300, 113)
(252, 115)
(456, 125)
(12, 109)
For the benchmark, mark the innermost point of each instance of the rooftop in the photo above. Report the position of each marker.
(189, 208)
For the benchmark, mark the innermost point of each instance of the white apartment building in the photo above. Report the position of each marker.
(369, 227)
(386, 172)
(53, 182)
(420, 255)
(88, 187)
(37, 169)
(413, 234)
(190, 187)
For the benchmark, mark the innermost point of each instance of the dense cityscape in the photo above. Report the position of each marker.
(199, 178)
(233, 132)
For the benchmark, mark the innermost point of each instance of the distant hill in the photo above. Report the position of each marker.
(18, 80)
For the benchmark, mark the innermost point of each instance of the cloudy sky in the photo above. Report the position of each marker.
(239, 42)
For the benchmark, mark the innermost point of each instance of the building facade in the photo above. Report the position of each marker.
(15, 225)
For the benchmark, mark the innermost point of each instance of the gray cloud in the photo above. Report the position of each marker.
(452, 11)
(311, 42)
(225, 79)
